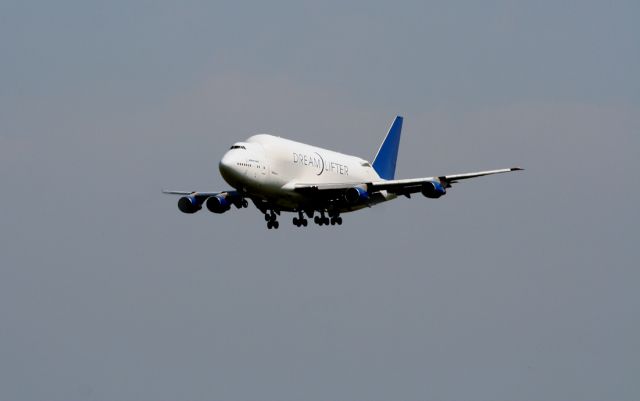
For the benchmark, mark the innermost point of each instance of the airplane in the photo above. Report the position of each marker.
(279, 175)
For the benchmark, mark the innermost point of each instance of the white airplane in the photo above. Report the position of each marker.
(280, 175)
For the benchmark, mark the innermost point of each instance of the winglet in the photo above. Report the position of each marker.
(385, 161)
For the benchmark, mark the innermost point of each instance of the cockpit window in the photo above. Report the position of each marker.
(238, 147)
(365, 164)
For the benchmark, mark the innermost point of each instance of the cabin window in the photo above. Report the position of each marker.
(238, 147)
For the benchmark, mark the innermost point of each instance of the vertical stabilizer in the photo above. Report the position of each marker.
(385, 161)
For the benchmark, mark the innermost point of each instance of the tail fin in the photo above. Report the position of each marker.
(385, 161)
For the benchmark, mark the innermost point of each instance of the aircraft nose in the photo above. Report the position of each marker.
(228, 168)
(226, 164)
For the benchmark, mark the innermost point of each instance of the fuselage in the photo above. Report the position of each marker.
(268, 167)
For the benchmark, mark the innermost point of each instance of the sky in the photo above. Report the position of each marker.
(519, 286)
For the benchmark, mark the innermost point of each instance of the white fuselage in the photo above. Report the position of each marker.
(268, 167)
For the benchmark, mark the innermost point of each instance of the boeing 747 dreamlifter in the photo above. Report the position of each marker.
(279, 175)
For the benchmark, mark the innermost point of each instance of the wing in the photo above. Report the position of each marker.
(193, 193)
(399, 187)
(413, 185)
(216, 202)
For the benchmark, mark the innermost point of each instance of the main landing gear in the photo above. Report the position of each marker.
(334, 218)
(300, 220)
(270, 218)
(322, 220)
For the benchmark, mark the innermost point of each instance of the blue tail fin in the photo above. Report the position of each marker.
(385, 161)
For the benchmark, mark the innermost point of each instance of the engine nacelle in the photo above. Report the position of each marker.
(356, 195)
(433, 189)
(189, 204)
(218, 204)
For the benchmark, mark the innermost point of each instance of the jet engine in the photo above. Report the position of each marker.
(189, 204)
(356, 195)
(433, 189)
(218, 204)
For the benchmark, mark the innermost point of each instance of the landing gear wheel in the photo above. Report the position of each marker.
(339, 220)
(300, 220)
(275, 224)
(333, 221)
(267, 217)
(269, 225)
(245, 203)
(321, 220)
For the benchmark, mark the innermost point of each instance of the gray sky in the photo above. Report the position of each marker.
(521, 286)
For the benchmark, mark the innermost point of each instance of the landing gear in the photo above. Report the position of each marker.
(300, 220)
(297, 222)
(335, 218)
(241, 203)
(322, 219)
(271, 220)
